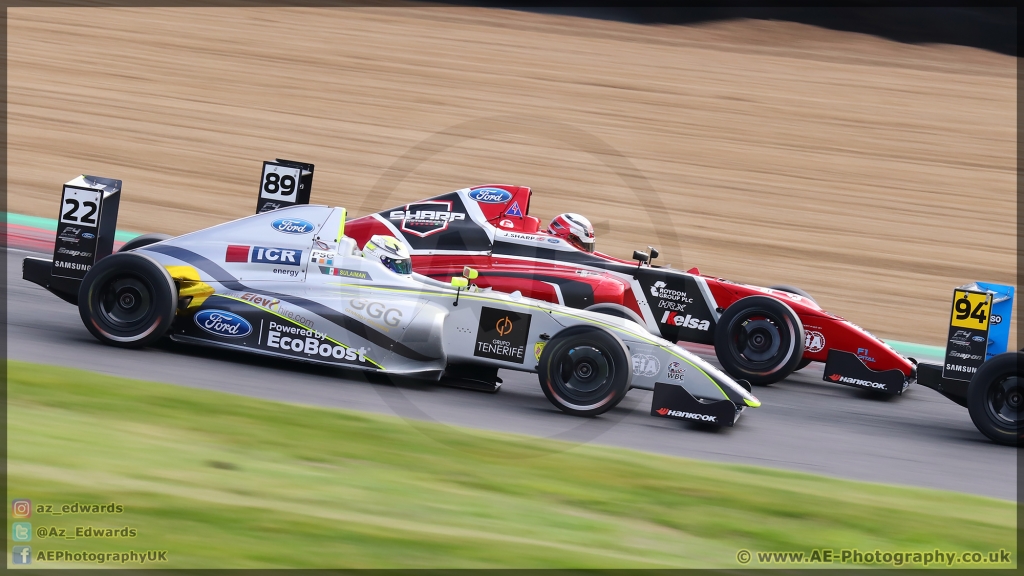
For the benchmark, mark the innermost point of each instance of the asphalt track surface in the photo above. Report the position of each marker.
(918, 439)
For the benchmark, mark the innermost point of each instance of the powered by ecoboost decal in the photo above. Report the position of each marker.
(309, 344)
(502, 335)
(968, 334)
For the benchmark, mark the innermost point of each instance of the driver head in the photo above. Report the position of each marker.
(575, 229)
(389, 252)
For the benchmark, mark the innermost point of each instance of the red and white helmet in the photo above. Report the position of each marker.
(575, 229)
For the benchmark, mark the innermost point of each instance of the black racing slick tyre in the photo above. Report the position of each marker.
(759, 339)
(142, 241)
(585, 370)
(127, 300)
(793, 290)
(994, 398)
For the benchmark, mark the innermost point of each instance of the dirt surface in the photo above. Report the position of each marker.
(873, 174)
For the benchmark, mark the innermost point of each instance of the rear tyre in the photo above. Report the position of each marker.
(793, 290)
(127, 300)
(759, 339)
(994, 398)
(619, 311)
(803, 364)
(585, 371)
(142, 241)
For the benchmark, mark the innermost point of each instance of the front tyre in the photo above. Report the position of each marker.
(585, 371)
(759, 339)
(127, 300)
(994, 398)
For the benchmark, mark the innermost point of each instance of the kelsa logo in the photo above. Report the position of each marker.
(675, 319)
(292, 226)
(490, 195)
(223, 323)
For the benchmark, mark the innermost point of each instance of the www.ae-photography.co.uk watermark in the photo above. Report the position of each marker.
(857, 557)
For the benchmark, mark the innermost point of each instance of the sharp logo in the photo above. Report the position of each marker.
(677, 319)
(856, 381)
(687, 415)
(425, 218)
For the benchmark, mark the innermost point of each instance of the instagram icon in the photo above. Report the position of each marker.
(21, 508)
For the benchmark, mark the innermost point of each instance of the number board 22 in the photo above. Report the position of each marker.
(80, 207)
(971, 309)
(280, 182)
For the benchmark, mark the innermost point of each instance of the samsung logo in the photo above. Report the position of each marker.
(293, 226)
(490, 195)
(223, 323)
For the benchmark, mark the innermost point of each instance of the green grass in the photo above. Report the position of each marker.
(227, 481)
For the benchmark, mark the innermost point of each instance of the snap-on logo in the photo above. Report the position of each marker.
(292, 226)
(687, 415)
(223, 323)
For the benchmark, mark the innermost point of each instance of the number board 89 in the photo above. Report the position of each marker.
(280, 182)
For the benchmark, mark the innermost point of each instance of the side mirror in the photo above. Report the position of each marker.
(640, 257)
(654, 252)
(459, 283)
(469, 273)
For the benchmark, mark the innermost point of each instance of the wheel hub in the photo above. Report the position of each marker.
(1005, 398)
(758, 340)
(125, 301)
(585, 371)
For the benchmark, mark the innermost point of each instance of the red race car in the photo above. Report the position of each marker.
(760, 334)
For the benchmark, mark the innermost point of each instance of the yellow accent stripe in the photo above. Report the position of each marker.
(609, 326)
(368, 359)
(341, 225)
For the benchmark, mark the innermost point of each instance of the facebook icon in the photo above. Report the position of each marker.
(21, 555)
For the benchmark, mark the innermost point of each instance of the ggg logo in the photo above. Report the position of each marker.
(292, 226)
(490, 195)
(223, 323)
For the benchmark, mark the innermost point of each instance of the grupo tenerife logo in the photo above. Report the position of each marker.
(490, 195)
(223, 323)
(293, 226)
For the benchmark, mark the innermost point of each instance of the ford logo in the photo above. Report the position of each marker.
(293, 226)
(223, 323)
(88, 236)
(491, 195)
(978, 338)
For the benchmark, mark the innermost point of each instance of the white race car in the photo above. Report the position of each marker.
(288, 283)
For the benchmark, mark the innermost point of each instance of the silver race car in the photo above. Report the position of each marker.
(288, 283)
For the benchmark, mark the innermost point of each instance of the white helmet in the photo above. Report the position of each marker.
(390, 252)
(575, 229)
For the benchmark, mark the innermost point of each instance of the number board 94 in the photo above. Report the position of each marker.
(971, 309)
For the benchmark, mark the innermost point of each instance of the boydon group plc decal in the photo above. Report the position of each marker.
(502, 335)
(425, 218)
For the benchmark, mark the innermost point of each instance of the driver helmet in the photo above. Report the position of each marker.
(390, 252)
(575, 229)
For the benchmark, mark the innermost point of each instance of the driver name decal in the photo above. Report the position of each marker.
(502, 335)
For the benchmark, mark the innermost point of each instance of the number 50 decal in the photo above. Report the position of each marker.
(80, 207)
(280, 182)
(971, 309)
